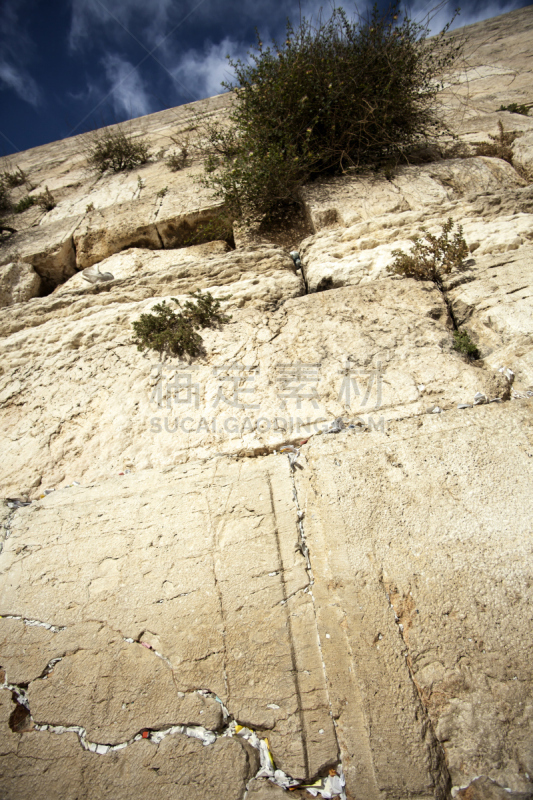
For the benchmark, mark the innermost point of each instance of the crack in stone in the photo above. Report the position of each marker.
(35, 623)
(300, 514)
(438, 766)
(232, 729)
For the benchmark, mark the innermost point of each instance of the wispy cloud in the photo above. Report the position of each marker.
(16, 49)
(128, 92)
(89, 15)
(21, 82)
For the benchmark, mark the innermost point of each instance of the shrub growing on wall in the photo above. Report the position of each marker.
(176, 333)
(432, 257)
(336, 95)
(115, 150)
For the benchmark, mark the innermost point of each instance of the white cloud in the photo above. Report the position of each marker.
(128, 92)
(20, 82)
(202, 71)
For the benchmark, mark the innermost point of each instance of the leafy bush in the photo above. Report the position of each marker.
(499, 146)
(432, 257)
(516, 108)
(173, 333)
(464, 344)
(338, 95)
(115, 150)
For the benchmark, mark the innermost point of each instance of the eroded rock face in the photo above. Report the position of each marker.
(18, 282)
(306, 550)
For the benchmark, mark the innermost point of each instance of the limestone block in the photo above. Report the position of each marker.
(348, 200)
(523, 153)
(130, 688)
(497, 62)
(362, 252)
(497, 308)
(262, 789)
(485, 789)
(260, 276)
(81, 357)
(51, 765)
(423, 534)
(102, 233)
(48, 248)
(18, 282)
(216, 585)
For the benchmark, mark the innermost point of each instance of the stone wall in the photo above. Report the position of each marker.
(307, 552)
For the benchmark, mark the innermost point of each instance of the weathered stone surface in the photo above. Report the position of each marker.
(422, 532)
(496, 70)
(48, 248)
(370, 603)
(18, 282)
(523, 154)
(400, 325)
(260, 275)
(216, 585)
(261, 789)
(131, 688)
(429, 188)
(485, 789)
(496, 308)
(44, 765)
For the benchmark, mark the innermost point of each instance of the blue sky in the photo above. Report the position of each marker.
(68, 66)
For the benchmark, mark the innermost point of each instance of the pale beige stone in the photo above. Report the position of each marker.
(48, 248)
(261, 789)
(217, 585)
(260, 275)
(496, 307)
(18, 282)
(485, 789)
(422, 532)
(523, 154)
(88, 369)
(49, 765)
(424, 189)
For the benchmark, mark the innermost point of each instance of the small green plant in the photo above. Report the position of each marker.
(176, 333)
(516, 108)
(12, 179)
(24, 204)
(46, 199)
(140, 183)
(432, 257)
(162, 192)
(499, 146)
(464, 344)
(115, 150)
(89, 207)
